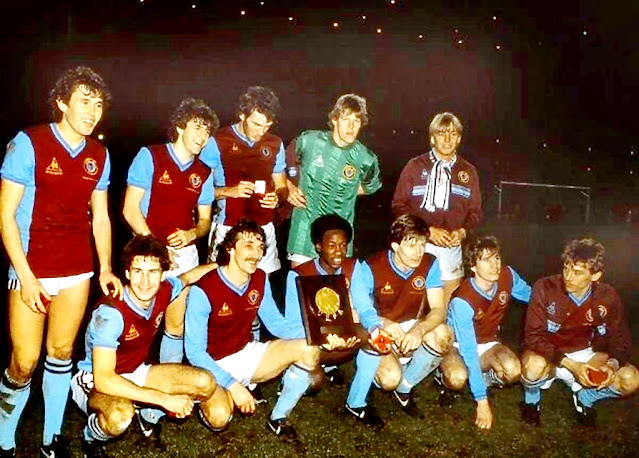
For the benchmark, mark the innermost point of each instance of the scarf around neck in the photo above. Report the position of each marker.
(438, 185)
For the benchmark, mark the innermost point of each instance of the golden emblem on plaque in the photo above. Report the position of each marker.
(328, 303)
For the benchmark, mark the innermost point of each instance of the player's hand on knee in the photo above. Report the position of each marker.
(242, 398)
(110, 284)
(411, 340)
(484, 419)
(34, 295)
(180, 405)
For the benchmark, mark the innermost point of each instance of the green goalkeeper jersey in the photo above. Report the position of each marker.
(329, 177)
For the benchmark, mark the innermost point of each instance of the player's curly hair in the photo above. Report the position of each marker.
(585, 251)
(191, 109)
(244, 226)
(70, 80)
(349, 102)
(407, 225)
(331, 222)
(146, 246)
(261, 99)
(444, 121)
(476, 246)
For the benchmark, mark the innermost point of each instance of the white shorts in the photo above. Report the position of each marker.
(270, 261)
(299, 258)
(53, 286)
(186, 259)
(243, 364)
(450, 261)
(563, 374)
(406, 326)
(82, 384)
(481, 348)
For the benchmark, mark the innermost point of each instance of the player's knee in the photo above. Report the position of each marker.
(310, 355)
(627, 380)
(511, 370)
(118, 418)
(205, 385)
(534, 367)
(60, 352)
(440, 339)
(22, 370)
(388, 378)
(317, 380)
(218, 415)
(455, 378)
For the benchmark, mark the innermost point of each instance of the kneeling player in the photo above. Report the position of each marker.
(114, 376)
(576, 330)
(220, 310)
(475, 314)
(406, 285)
(331, 235)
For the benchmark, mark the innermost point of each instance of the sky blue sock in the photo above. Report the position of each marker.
(171, 349)
(56, 382)
(424, 361)
(532, 390)
(13, 398)
(366, 367)
(588, 396)
(295, 382)
(151, 414)
(93, 432)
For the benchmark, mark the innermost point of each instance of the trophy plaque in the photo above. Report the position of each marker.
(326, 307)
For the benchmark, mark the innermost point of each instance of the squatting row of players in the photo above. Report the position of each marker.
(53, 201)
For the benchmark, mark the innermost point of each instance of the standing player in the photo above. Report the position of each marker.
(331, 235)
(220, 310)
(53, 177)
(249, 169)
(443, 189)
(168, 184)
(406, 285)
(115, 373)
(576, 330)
(476, 313)
(328, 170)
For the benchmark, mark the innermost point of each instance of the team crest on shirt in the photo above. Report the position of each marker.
(348, 172)
(553, 327)
(603, 311)
(90, 166)
(419, 282)
(195, 180)
(132, 333)
(266, 152)
(551, 308)
(158, 320)
(253, 297)
(589, 317)
(54, 167)
(225, 310)
(165, 178)
(463, 176)
(235, 148)
(503, 297)
(387, 289)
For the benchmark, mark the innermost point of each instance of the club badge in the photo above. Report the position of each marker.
(158, 319)
(463, 176)
(503, 297)
(266, 152)
(195, 180)
(418, 283)
(348, 172)
(90, 166)
(253, 296)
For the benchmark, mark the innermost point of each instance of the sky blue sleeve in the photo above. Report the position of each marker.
(362, 296)
(212, 157)
(103, 182)
(434, 277)
(106, 327)
(196, 320)
(460, 317)
(141, 170)
(280, 160)
(283, 327)
(207, 193)
(521, 289)
(176, 286)
(19, 161)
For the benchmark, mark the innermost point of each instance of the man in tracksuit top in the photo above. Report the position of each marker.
(476, 313)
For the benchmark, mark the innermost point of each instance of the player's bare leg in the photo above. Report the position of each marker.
(112, 413)
(181, 379)
(217, 411)
(389, 372)
(503, 362)
(535, 371)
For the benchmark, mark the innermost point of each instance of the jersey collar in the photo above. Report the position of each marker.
(58, 136)
(397, 270)
(144, 313)
(239, 290)
(182, 166)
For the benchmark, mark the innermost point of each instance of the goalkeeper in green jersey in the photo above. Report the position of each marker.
(327, 171)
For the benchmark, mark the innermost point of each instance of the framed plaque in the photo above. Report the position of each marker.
(326, 307)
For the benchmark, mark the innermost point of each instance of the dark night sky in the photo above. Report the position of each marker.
(548, 83)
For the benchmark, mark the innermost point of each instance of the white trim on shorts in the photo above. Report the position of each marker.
(269, 263)
(450, 260)
(563, 374)
(243, 364)
(187, 258)
(54, 285)
(406, 326)
(482, 347)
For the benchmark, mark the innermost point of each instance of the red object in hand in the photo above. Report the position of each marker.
(381, 343)
(597, 377)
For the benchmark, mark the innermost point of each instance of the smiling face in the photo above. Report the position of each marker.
(408, 254)
(332, 250)
(145, 276)
(255, 125)
(247, 252)
(578, 278)
(346, 128)
(445, 142)
(81, 113)
(194, 136)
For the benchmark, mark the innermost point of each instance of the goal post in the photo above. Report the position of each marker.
(583, 190)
